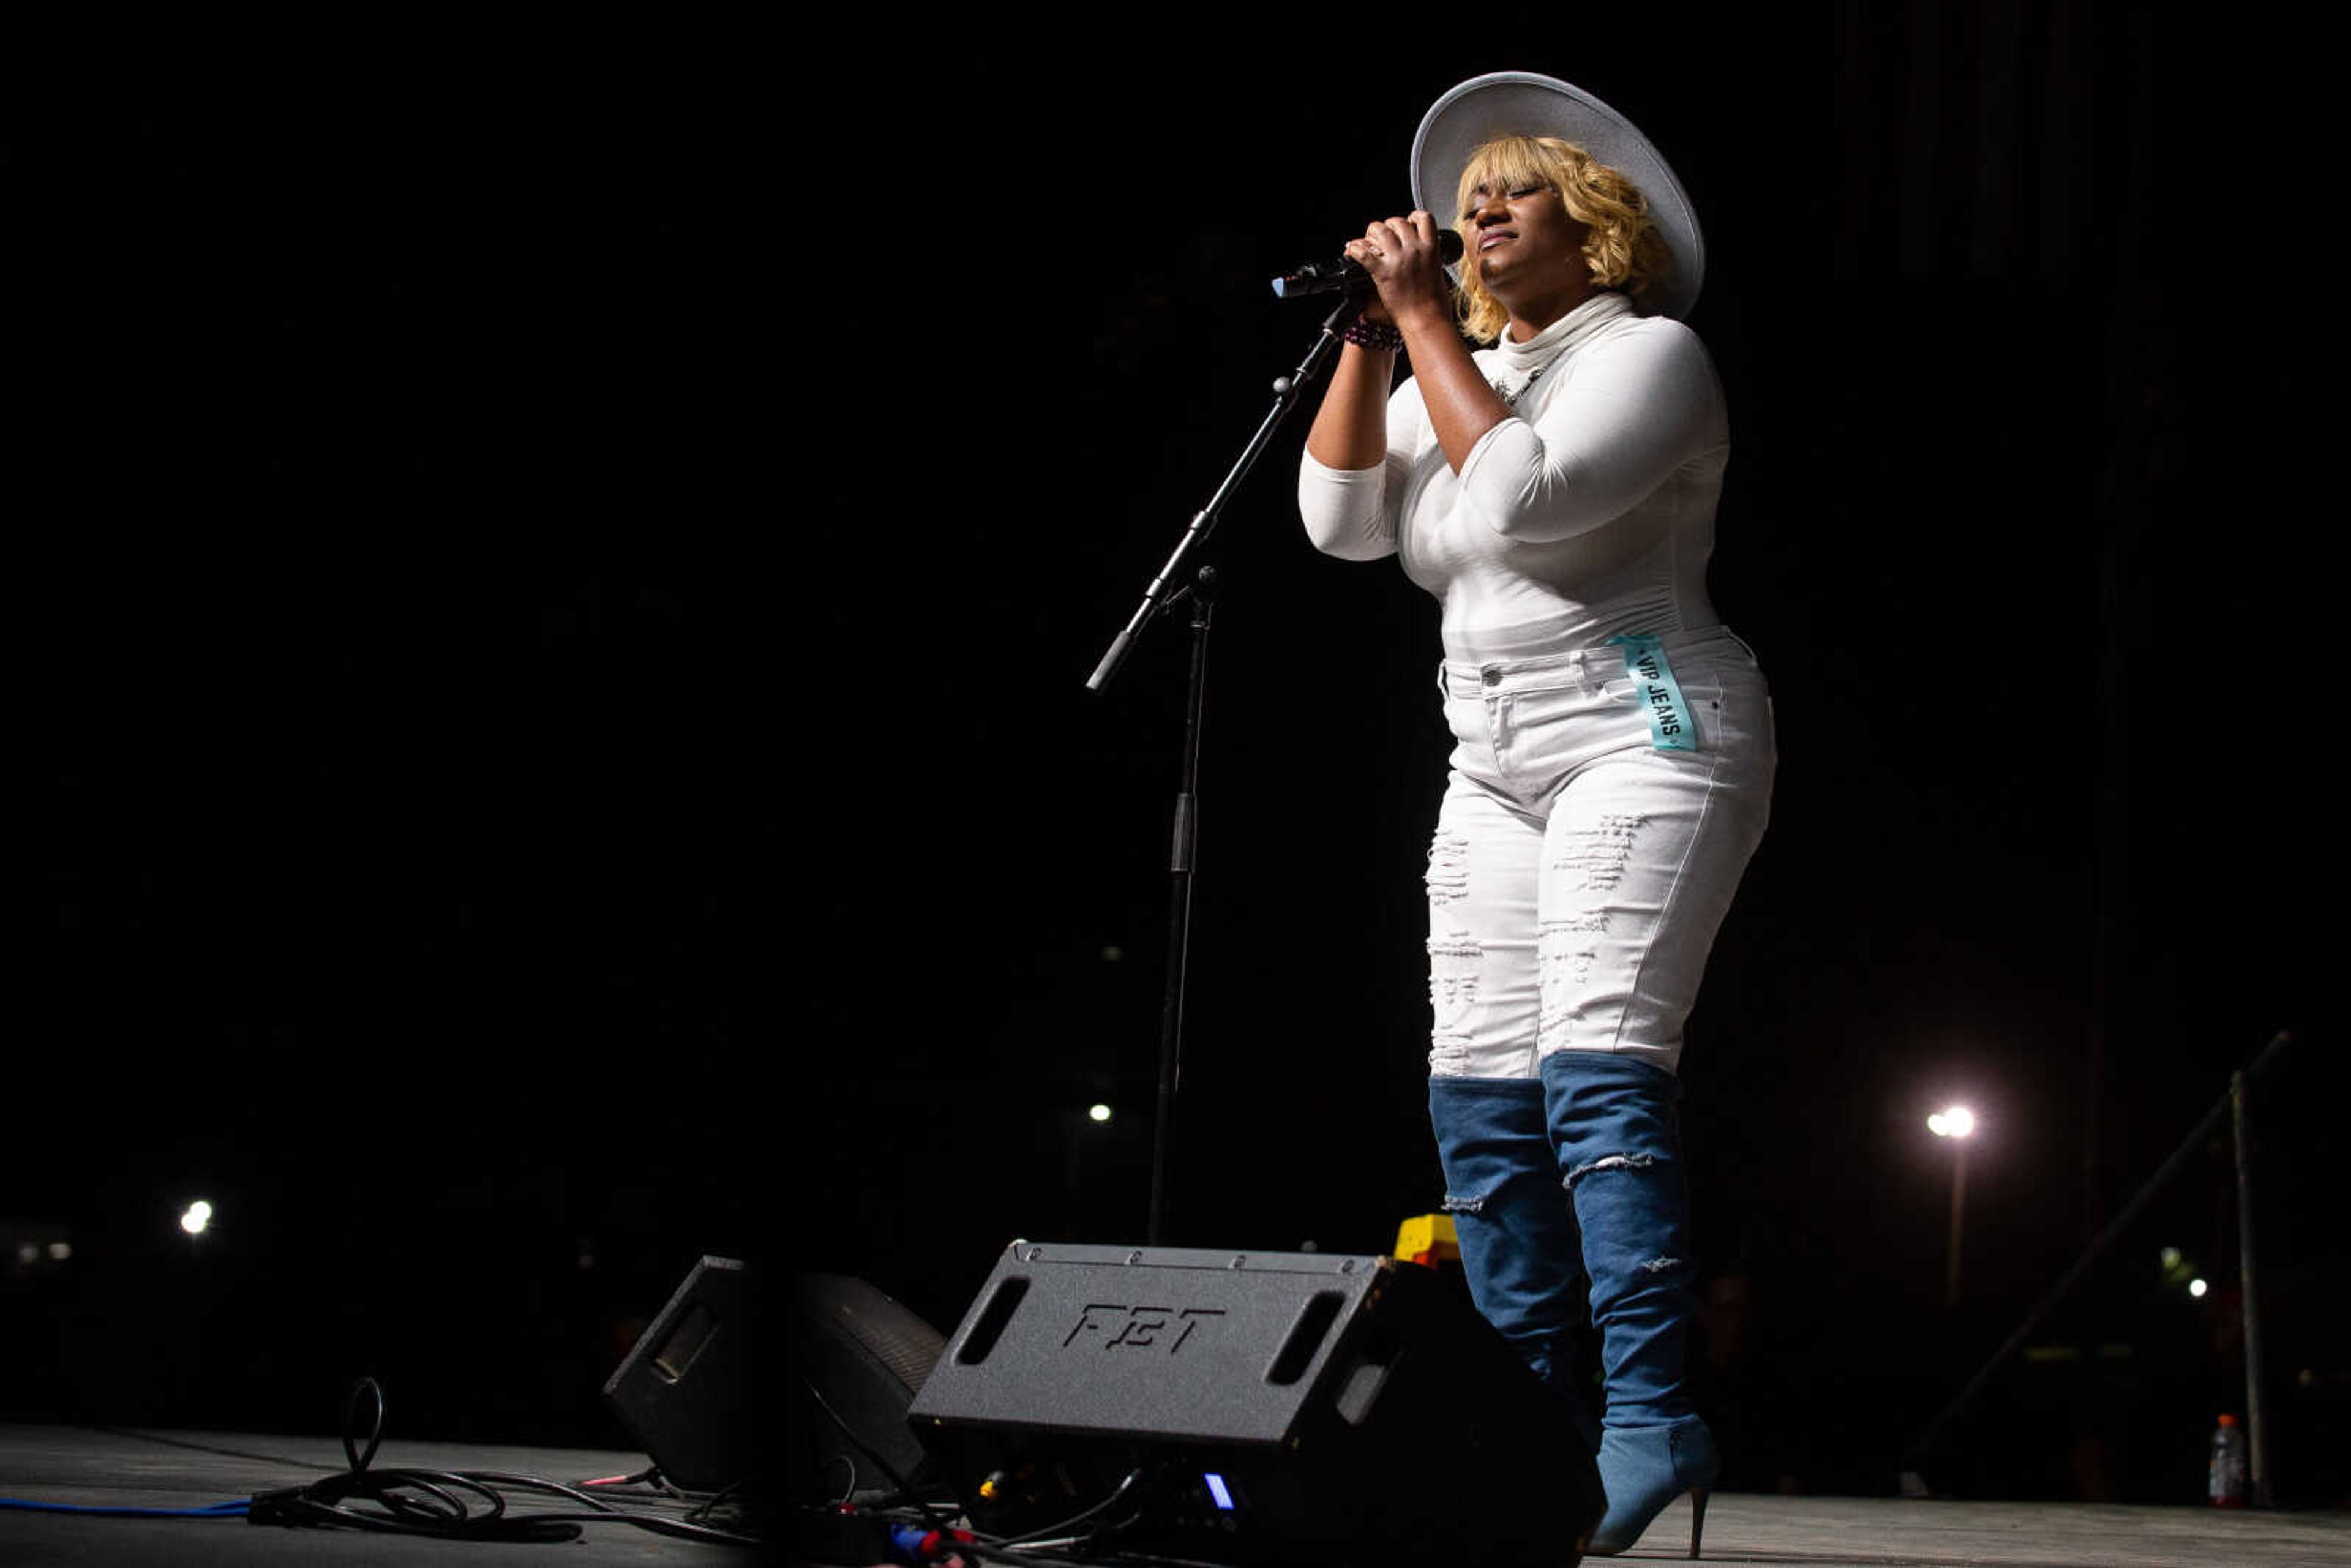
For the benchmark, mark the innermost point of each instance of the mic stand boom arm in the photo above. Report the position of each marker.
(1286, 391)
(1157, 599)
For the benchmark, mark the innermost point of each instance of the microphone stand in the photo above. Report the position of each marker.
(1156, 599)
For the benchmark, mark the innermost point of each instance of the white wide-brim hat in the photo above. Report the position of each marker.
(1521, 103)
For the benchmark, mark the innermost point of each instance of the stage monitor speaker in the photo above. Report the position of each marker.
(1274, 1407)
(854, 1359)
(682, 1390)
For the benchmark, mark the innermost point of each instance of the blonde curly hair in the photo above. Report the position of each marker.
(1623, 250)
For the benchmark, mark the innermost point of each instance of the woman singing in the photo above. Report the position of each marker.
(1612, 767)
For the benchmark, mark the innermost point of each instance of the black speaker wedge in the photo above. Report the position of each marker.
(1251, 1408)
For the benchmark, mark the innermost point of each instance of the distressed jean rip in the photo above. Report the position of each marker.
(1599, 851)
(1449, 869)
(1453, 958)
(1610, 1163)
(1566, 950)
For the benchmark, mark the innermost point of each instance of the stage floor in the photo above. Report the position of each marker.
(116, 1468)
(1867, 1532)
(191, 1469)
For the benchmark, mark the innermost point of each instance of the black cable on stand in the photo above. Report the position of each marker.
(1180, 857)
(1183, 858)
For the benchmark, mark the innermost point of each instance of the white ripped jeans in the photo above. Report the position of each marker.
(1580, 871)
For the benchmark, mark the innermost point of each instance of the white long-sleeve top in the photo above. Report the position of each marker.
(1588, 513)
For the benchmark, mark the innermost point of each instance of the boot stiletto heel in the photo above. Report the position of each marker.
(1612, 1127)
(1644, 1468)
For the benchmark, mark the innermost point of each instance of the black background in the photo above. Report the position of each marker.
(554, 578)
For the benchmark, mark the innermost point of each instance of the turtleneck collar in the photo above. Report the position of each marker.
(1570, 330)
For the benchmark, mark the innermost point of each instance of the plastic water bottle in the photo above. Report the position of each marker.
(2226, 1484)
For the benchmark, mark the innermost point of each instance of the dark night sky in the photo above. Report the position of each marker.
(553, 601)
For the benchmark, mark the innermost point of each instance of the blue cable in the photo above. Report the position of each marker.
(233, 1508)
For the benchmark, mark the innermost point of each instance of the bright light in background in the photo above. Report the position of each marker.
(199, 1216)
(2196, 1287)
(1953, 1122)
(1099, 1112)
(2172, 1258)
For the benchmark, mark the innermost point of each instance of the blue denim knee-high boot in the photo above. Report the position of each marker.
(1612, 1123)
(1512, 1223)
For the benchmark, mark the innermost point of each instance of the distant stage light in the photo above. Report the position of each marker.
(2172, 1258)
(1099, 1112)
(1953, 1122)
(198, 1217)
(61, 1251)
(2196, 1287)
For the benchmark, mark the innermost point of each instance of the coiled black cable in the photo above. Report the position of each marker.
(446, 1504)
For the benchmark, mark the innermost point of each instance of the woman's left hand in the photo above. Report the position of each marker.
(1401, 257)
(1406, 267)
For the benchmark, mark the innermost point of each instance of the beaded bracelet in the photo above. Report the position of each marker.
(1373, 335)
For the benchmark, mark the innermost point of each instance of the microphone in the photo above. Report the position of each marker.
(1331, 276)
